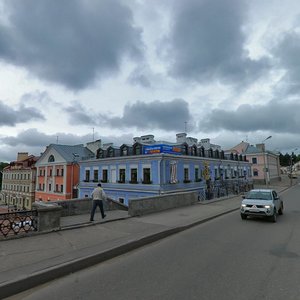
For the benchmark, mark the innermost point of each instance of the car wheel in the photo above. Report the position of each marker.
(281, 209)
(274, 217)
(243, 216)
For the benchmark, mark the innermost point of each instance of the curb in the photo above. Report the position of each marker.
(14, 287)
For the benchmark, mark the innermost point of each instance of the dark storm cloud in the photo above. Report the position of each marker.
(207, 42)
(12, 117)
(276, 116)
(153, 115)
(69, 42)
(159, 115)
(287, 54)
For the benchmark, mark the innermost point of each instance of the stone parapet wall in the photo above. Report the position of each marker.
(147, 205)
(84, 206)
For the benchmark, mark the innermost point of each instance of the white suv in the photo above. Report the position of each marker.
(262, 202)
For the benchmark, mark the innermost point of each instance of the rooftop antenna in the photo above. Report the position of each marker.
(93, 134)
(185, 125)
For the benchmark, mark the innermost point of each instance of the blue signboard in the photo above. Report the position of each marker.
(162, 149)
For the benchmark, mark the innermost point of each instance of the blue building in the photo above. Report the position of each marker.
(149, 168)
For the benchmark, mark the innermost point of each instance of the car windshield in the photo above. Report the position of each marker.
(259, 195)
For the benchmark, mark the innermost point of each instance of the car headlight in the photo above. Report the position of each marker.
(243, 205)
(268, 206)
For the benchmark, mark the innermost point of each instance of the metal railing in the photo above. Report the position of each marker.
(20, 222)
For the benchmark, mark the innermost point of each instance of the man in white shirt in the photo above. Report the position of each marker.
(98, 195)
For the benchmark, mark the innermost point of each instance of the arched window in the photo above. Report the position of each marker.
(51, 158)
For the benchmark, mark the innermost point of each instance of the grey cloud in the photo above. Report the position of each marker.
(153, 115)
(287, 55)
(71, 42)
(38, 98)
(78, 114)
(277, 116)
(12, 117)
(33, 138)
(160, 115)
(207, 42)
(139, 77)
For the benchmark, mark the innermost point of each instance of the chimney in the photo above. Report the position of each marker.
(22, 156)
(261, 147)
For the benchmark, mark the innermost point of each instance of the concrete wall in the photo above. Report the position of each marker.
(143, 206)
(48, 216)
(84, 206)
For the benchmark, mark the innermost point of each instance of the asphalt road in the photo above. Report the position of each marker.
(226, 258)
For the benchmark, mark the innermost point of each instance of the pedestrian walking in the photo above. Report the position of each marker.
(98, 195)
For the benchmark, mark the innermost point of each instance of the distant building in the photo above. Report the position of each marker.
(265, 163)
(149, 168)
(18, 182)
(58, 170)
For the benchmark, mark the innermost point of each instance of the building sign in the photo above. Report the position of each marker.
(161, 149)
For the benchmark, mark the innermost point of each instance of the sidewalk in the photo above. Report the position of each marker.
(27, 262)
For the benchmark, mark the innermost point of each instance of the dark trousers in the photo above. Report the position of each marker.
(95, 204)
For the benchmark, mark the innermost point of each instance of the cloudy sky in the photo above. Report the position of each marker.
(74, 70)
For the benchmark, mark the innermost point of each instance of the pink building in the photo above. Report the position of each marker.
(265, 163)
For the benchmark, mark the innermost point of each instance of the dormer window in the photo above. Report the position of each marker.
(51, 158)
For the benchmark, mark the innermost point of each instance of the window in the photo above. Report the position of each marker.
(147, 176)
(255, 172)
(124, 151)
(197, 174)
(50, 172)
(62, 172)
(57, 172)
(133, 175)
(121, 175)
(51, 158)
(121, 200)
(104, 175)
(137, 149)
(56, 188)
(50, 187)
(216, 173)
(96, 175)
(87, 176)
(194, 150)
(111, 152)
(186, 177)
(254, 160)
(61, 188)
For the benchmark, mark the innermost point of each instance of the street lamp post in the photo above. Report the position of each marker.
(266, 169)
(291, 167)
